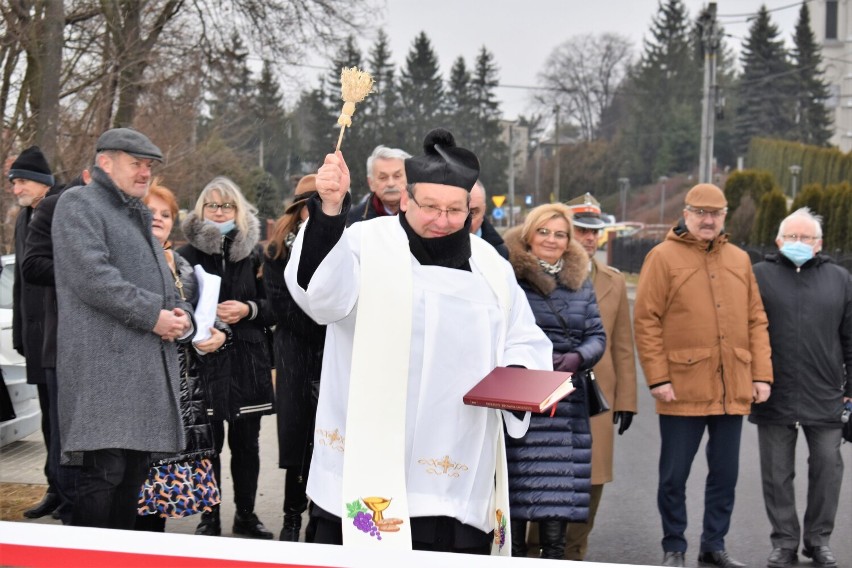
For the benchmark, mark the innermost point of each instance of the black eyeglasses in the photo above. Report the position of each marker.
(225, 207)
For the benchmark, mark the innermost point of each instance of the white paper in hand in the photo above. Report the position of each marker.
(208, 300)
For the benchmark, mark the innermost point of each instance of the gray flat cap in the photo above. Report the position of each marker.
(130, 141)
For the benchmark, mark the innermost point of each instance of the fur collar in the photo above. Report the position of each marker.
(206, 237)
(574, 271)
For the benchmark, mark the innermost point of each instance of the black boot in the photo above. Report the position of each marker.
(249, 525)
(552, 537)
(519, 538)
(46, 506)
(292, 526)
(210, 524)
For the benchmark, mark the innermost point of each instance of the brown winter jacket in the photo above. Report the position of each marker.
(699, 324)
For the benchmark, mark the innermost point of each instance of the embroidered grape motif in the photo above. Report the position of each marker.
(364, 523)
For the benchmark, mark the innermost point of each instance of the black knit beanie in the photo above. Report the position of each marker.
(31, 164)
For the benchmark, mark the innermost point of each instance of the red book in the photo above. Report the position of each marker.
(514, 388)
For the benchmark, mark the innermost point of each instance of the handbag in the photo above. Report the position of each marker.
(176, 490)
(595, 399)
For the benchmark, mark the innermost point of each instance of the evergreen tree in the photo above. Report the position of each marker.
(764, 106)
(421, 94)
(813, 121)
(230, 96)
(273, 134)
(770, 212)
(665, 84)
(381, 107)
(460, 108)
(316, 127)
(485, 140)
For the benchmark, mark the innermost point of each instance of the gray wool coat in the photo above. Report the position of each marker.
(119, 383)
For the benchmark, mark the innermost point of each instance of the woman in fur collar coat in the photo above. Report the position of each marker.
(223, 234)
(550, 468)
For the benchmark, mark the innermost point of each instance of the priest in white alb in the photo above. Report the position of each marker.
(418, 311)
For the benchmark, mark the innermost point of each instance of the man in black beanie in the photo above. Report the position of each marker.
(394, 379)
(31, 181)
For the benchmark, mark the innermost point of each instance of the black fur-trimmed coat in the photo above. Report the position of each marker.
(239, 378)
(550, 468)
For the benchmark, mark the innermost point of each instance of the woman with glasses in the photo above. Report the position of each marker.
(223, 234)
(550, 467)
(183, 484)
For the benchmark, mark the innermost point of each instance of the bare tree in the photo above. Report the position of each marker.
(581, 76)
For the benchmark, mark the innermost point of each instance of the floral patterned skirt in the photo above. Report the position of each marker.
(178, 490)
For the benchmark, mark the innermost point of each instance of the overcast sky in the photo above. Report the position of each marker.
(522, 33)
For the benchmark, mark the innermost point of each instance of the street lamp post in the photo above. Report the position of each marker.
(623, 188)
(795, 170)
(663, 180)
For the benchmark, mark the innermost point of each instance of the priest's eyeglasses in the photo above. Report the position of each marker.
(714, 213)
(225, 207)
(807, 239)
(432, 213)
(558, 235)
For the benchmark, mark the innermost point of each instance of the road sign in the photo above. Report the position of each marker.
(498, 201)
(497, 213)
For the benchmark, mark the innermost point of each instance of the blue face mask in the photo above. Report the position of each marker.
(798, 252)
(224, 227)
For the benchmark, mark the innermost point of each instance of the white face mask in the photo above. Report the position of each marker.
(224, 227)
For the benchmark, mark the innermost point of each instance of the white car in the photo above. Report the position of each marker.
(24, 397)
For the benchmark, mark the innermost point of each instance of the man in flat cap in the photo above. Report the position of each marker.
(31, 181)
(703, 343)
(615, 372)
(399, 461)
(117, 361)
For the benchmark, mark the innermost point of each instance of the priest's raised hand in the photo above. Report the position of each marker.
(333, 183)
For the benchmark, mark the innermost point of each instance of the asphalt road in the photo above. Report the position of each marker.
(628, 528)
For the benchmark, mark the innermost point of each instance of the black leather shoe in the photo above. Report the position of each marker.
(209, 525)
(250, 525)
(673, 559)
(718, 558)
(781, 558)
(46, 506)
(821, 555)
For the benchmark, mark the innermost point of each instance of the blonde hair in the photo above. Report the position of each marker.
(539, 216)
(230, 193)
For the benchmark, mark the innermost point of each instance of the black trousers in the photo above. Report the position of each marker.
(64, 477)
(243, 441)
(108, 488)
(46, 431)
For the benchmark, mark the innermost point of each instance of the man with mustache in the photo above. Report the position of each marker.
(703, 342)
(386, 178)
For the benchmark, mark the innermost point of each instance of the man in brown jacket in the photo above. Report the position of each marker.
(702, 338)
(615, 372)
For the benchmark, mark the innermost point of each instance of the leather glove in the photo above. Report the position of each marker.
(567, 362)
(626, 419)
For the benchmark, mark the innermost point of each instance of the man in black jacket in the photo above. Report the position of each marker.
(808, 301)
(479, 225)
(37, 269)
(31, 180)
(386, 178)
